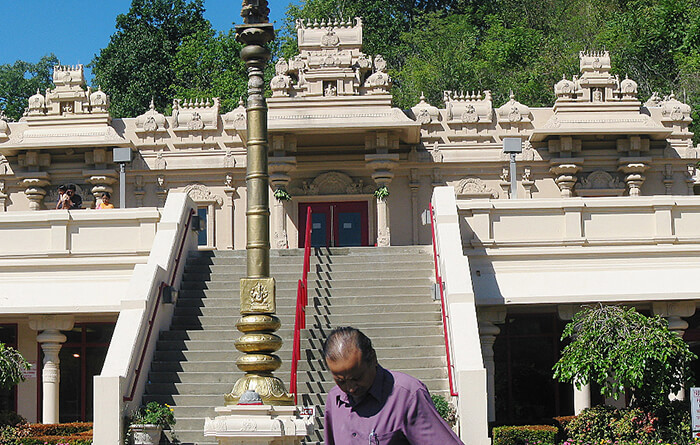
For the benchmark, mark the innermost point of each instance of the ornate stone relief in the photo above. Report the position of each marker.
(474, 188)
(600, 183)
(151, 121)
(237, 117)
(195, 114)
(425, 113)
(332, 183)
(202, 195)
(513, 112)
(673, 110)
(4, 128)
(469, 108)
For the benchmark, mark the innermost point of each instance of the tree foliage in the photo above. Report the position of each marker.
(20, 80)
(523, 45)
(12, 366)
(137, 64)
(621, 349)
(209, 65)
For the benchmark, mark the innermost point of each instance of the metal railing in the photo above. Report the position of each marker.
(302, 302)
(440, 284)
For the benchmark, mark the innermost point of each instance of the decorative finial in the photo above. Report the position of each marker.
(152, 106)
(512, 96)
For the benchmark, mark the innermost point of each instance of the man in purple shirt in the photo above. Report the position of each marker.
(371, 405)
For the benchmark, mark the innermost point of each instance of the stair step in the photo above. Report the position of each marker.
(386, 292)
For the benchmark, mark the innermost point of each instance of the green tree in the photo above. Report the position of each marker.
(209, 65)
(20, 80)
(621, 349)
(137, 64)
(12, 366)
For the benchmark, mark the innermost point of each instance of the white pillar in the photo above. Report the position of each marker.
(279, 167)
(230, 191)
(51, 341)
(488, 332)
(414, 184)
(673, 312)
(382, 164)
(582, 398)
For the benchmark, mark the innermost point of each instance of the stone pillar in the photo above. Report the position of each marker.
(161, 191)
(674, 312)
(582, 397)
(414, 184)
(139, 191)
(279, 167)
(35, 188)
(634, 169)
(101, 180)
(565, 170)
(51, 341)
(230, 191)
(527, 182)
(487, 333)
(3, 196)
(381, 166)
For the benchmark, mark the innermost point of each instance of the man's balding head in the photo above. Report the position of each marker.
(343, 341)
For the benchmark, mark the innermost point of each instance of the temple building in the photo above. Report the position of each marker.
(603, 211)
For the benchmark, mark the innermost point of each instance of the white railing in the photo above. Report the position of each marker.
(463, 327)
(119, 387)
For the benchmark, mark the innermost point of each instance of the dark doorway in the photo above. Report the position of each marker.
(335, 224)
(525, 352)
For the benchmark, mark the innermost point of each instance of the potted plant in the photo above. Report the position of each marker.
(147, 423)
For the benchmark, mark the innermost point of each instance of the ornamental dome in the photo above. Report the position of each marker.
(424, 112)
(674, 110)
(37, 103)
(99, 101)
(628, 88)
(564, 88)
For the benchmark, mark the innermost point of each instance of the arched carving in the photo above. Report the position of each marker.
(202, 195)
(474, 188)
(332, 183)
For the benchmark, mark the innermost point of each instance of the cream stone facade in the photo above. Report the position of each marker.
(606, 210)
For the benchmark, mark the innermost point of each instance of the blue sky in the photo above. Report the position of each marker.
(76, 30)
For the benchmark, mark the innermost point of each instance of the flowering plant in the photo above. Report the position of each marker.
(154, 413)
(381, 193)
(282, 195)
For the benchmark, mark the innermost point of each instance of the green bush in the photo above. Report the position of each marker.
(10, 418)
(525, 435)
(605, 423)
(445, 409)
(674, 422)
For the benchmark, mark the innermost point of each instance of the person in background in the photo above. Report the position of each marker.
(62, 197)
(105, 201)
(375, 406)
(75, 201)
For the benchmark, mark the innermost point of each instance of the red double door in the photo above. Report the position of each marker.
(335, 224)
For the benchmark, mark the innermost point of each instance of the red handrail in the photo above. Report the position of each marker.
(302, 302)
(152, 318)
(438, 280)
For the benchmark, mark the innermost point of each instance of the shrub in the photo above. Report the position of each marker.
(674, 422)
(621, 349)
(445, 409)
(605, 423)
(10, 418)
(154, 413)
(525, 435)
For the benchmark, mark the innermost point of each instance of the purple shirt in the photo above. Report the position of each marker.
(397, 410)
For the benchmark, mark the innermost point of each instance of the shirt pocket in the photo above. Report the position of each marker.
(391, 438)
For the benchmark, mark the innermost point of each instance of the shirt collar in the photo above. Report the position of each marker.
(376, 390)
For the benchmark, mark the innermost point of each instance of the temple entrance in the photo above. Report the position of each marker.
(335, 224)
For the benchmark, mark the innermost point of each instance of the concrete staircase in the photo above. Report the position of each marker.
(385, 292)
